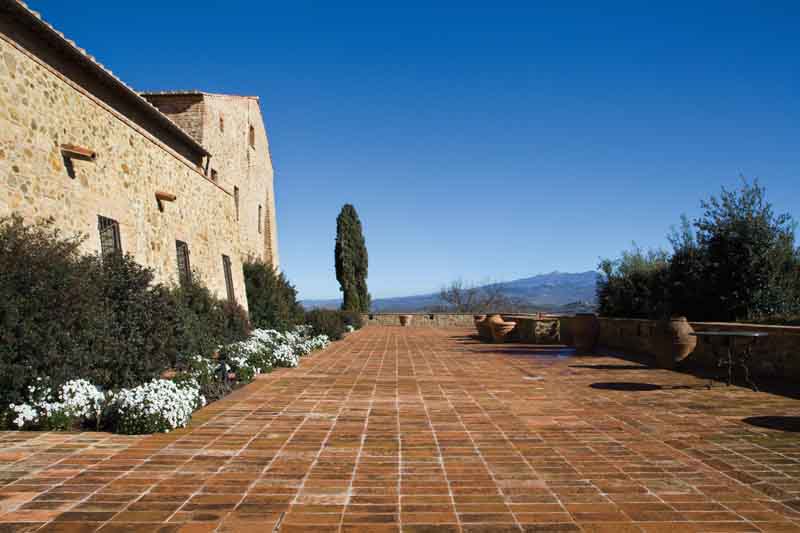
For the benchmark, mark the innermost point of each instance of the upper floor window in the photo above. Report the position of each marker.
(236, 200)
(110, 241)
(184, 267)
(259, 218)
(214, 175)
(252, 137)
(221, 124)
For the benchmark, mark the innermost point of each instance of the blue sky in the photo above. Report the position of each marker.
(480, 140)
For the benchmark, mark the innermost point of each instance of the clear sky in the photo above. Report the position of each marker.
(480, 139)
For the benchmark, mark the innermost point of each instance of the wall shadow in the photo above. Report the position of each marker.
(615, 367)
(627, 386)
(769, 385)
(789, 424)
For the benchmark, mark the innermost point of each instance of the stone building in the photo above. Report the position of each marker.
(183, 181)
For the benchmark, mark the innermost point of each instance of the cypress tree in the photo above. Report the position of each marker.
(351, 261)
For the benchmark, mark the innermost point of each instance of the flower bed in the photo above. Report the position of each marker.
(162, 404)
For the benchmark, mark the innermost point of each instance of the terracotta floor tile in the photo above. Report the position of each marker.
(418, 428)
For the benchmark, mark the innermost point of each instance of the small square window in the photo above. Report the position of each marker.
(214, 175)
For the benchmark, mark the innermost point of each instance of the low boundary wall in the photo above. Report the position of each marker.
(777, 355)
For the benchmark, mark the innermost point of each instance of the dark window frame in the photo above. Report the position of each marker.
(184, 263)
(110, 236)
(228, 272)
(260, 215)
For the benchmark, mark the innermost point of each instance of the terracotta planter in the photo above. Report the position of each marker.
(672, 341)
(479, 324)
(169, 373)
(405, 320)
(585, 331)
(485, 326)
(499, 328)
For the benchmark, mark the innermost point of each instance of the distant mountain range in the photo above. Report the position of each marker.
(553, 292)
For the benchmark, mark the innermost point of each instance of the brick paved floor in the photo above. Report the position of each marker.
(427, 430)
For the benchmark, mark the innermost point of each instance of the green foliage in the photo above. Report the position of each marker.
(203, 322)
(351, 261)
(352, 318)
(272, 300)
(737, 262)
(632, 285)
(65, 315)
(326, 322)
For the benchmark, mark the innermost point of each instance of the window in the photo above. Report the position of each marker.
(110, 242)
(214, 176)
(259, 218)
(252, 137)
(226, 267)
(221, 124)
(236, 201)
(184, 268)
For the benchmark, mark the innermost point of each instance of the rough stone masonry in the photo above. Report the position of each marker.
(81, 147)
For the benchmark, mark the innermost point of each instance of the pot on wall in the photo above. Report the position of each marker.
(499, 329)
(480, 321)
(672, 341)
(405, 320)
(485, 327)
(585, 332)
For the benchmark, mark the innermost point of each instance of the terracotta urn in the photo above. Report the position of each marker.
(672, 341)
(585, 332)
(169, 373)
(499, 328)
(405, 320)
(232, 376)
(485, 326)
(479, 320)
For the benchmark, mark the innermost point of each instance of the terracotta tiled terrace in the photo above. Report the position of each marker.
(429, 430)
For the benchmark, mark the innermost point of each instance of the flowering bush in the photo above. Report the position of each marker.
(76, 403)
(159, 405)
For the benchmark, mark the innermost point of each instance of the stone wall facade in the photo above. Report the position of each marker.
(51, 96)
(232, 129)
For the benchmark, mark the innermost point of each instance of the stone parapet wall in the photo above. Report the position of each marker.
(429, 320)
(530, 328)
(777, 355)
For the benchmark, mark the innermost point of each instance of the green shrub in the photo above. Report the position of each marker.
(352, 318)
(738, 261)
(64, 315)
(326, 322)
(48, 306)
(136, 338)
(271, 299)
(203, 322)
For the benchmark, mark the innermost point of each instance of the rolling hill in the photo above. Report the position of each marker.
(556, 291)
